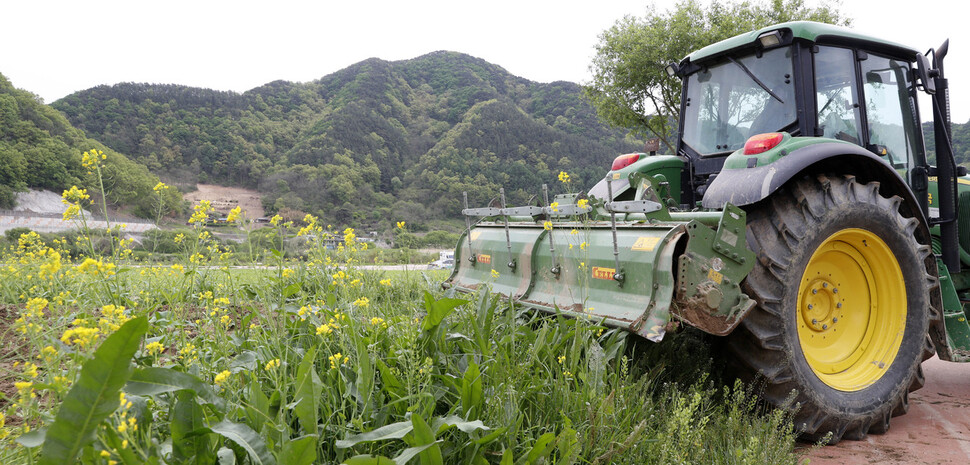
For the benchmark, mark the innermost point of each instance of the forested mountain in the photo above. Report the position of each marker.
(40, 149)
(406, 136)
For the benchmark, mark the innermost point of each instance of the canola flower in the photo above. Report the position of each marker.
(93, 159)
(222, 377)
(161, 186)
(563, 177)
(582, 203)
(272, 364)
(154, 348)
(201, 213)
(547, 225)
(401, 224)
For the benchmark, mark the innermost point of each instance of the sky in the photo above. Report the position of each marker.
(55, 47)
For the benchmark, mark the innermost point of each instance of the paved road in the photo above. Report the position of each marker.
(935, 431)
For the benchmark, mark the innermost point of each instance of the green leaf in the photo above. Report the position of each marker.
(308, 390)
(392, 431)
(368, 460)
(542, 448)
(246, 438)
(438, 310)
(407, 454)
(365, 377)
(151, 381)
(423, 435)
(33, 438)
(93, 396)
(226, 456)
(291, 289)
(471, 391)
(443, 423)
(185, 418)
(244, 361)
(300, 451)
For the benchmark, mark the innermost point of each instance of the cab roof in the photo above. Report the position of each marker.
(810, 31)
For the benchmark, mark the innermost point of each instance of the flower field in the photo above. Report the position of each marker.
(106, 360)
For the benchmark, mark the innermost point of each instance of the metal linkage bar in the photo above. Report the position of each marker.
(633, 206)
(508, 239)
(468, 229)
(617, 275)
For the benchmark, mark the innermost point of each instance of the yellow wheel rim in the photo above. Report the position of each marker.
(851, 310)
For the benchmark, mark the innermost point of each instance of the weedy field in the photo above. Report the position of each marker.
(105, 361)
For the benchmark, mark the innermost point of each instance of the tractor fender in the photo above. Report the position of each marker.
(747, 186)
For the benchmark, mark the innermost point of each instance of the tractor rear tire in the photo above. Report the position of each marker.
(843, 299)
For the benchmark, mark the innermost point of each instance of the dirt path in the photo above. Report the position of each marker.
(935, 431)
(226, 198)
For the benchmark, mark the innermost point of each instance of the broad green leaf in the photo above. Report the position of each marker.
(471, 391)
(507, 458)
(246, 438)
(308, 390)
(438, 310)
(392, 386)
(244, 361)
(151, 381)
(392, 431)
(365, 377)
(368, 460)
(291, 289)
(423, 435)
(300, 451)
(542, 448)
(185, 418)
(443, 423)
(93, 396)
(33, 438)
(407, 454)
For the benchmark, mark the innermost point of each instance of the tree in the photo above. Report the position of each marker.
(630, 87)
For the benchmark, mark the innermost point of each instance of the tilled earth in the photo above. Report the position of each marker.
(935, 431)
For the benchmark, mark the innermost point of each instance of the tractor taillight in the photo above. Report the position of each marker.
(623, 161)
(762, 143)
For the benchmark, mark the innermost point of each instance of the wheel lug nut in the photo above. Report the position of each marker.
(825, 326)
(825, 284)
(814, 322)
(809, 306)
(835, 290)
(838, 305)
(835, 320)
(814, 291)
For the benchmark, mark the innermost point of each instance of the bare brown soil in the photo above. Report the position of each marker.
(226, 198)
(935, 431)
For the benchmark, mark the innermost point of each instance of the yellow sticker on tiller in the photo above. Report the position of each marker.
(714, 276)
(616, 176)
(475, 234)
(482, 258)
(603, 273)
(645, 244)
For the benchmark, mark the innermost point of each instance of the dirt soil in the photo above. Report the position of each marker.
(226, 198)
(935, 431)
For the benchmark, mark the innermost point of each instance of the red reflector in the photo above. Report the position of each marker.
(623, 161)
(762, 143)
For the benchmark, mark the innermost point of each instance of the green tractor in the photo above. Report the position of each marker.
(799, 219)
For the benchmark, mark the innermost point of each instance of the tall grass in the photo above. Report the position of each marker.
(318, 361)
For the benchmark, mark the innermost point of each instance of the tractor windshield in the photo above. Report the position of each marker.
(737, 98)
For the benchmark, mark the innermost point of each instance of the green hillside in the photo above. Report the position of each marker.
(373, 141)
(39, 148)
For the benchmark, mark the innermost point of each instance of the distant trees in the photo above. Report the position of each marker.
(364, 144)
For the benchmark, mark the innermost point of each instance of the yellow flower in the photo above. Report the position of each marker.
(92, 159)
(376, 321)
(161, 186)
(362, 302)
(562, 359)
(275, 220)
(494, 273)
(272, 364)
(400, 225)
(154, 348)
(74, 195)
(201, 214)
(563, 177)
(338, 359)
(73, 210)
(222, 377)
(386, 282)
(582, 203)
(582, 246)
(554, 206)
(547, 225)
(574, 232)
(234, 215)
(324, 330)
